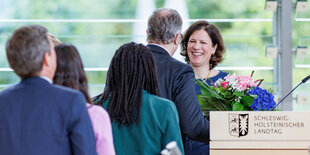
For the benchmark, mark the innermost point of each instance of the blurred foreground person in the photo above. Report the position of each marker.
(142, 122)
(176, 79)
(70, 73)
(36, 116)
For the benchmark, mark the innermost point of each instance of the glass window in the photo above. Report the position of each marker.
(98, 27)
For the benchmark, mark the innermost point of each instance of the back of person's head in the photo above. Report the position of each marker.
(215, 36)
(70, 71)
(25, 50)
(131, 71)
(163, 26)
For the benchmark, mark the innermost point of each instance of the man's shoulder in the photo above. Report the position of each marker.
(180, 64)
(63, 89)
(36, 90)
(66, 93)
(8, 91)
(174, 63)
(180, 68)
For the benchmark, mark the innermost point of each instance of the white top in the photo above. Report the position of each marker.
(47, 79)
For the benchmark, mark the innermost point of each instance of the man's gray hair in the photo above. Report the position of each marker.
(163, 26)
(26, 48)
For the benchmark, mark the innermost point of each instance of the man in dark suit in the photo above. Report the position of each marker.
(36, 116)
(176, 79)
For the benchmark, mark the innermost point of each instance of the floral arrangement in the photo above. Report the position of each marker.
(235, 93)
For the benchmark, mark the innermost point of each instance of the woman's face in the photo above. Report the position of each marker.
(200, 48)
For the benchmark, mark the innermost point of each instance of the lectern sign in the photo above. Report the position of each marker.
(259, 133)
(238, 124)
(270, 125)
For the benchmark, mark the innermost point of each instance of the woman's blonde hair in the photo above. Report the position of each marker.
(53, 38)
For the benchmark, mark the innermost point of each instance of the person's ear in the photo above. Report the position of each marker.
(214, 48)
(47, 59)
(178, 39)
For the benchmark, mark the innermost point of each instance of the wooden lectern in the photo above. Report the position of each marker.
(259, 133)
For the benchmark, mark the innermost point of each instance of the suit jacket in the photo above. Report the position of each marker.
(177, 83)
(40, 118)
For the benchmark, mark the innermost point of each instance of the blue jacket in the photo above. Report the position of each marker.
(177, 83)
(40, 118)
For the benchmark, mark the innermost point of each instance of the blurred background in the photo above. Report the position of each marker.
(249, 28)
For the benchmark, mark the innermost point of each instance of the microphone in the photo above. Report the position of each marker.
(305, 79)
(302, 81)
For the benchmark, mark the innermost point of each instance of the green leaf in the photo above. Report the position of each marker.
(236, 93)
(247, 101)
(212, 99)
(214, 104)
(236, 106)
(201, 101)
(207, 90)
(226, 93)
(270, 90)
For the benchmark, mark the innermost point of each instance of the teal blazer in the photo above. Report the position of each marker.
(158, 125)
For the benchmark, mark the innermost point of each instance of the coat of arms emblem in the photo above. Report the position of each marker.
(238, 124)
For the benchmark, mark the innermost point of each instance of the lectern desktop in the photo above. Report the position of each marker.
(259, 133)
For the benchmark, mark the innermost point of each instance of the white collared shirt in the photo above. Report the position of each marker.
(47, 79)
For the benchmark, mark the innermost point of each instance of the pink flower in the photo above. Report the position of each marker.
(245, 81)
(242, 78)
(224, 84)
(243, 86)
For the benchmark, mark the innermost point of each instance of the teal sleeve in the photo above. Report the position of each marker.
(172, 128)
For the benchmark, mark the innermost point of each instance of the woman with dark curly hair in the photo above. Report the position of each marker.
(142, 122)
(203, 48)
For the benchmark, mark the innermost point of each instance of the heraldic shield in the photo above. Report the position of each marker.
(238, 124)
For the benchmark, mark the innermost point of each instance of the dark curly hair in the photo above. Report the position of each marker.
(131, 71)
(216, 39)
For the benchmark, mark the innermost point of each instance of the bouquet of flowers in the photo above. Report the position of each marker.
(235, 93)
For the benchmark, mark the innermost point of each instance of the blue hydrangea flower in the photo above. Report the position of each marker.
(264, 100)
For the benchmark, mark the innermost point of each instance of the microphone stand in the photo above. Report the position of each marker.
(285, 97)
(302, 81)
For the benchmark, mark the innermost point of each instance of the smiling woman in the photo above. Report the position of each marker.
(200, 48)
(203, 48)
